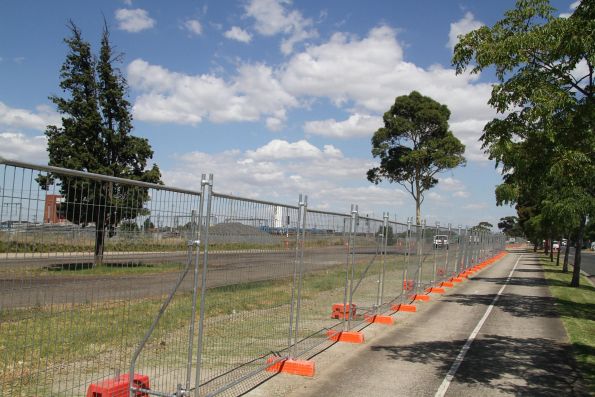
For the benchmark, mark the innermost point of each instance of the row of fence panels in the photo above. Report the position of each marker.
(191, 292)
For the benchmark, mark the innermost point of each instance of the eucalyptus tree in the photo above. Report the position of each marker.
(415, 145)
(546, 95)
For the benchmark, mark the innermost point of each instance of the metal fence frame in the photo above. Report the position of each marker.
(371, 269)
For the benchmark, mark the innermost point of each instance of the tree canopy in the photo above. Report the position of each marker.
(414, 145)
(545, 138)
(95, 136)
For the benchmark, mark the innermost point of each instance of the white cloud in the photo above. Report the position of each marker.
(461, 194)
(283, 169)
(18, 146)
(271, 18)
(373, 73)
(476, 206)
(572, 7)
(193, 26)
(450, 184)
(278, 149)
(462, 26)
(167, 96)
(238, 34)
(357, 125)
(134, 20)
(23, 118)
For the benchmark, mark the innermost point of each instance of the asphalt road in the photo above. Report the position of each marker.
(21, 284)
(499, 327)
(587, 260)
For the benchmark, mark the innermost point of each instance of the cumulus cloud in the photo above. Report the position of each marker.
(24, 118)
(461, 27)
(134, 20)
(357, 125)
(278, 149)
(167, 96)
(238, 34)
(362, 75)
(193, 26)
(282, 170)
(572, 7)
(450, 184)
(18, 146)
(272, 18)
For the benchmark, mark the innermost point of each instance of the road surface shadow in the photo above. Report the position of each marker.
(516, 305)
(545, 368)
(522, 281)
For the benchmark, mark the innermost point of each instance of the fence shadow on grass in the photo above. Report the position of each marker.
(547, 367)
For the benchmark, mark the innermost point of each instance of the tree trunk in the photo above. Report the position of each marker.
(551, 249)
(546, 247)
(534, 247)
(99, 242)
(576, 272)
(558, 253)
(566, 254)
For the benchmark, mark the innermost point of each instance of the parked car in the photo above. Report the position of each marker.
(556, 245)
(441, 241)
(593, 246)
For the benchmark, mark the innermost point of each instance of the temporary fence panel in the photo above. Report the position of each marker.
(395, 263)
(411, 271)
(85, 263)
(323, 283)
(252, 270)
(365, 270)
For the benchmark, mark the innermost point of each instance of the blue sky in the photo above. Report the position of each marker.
(274, 97)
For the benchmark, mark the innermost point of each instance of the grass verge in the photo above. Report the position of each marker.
(577, 310)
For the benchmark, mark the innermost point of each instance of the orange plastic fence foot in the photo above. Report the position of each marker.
(423, 298)
(403, 308)
(447, 284)
(457, 279)
(345, 336)
(294, 367)
(435, 290)
(117, 386)
(378, 319)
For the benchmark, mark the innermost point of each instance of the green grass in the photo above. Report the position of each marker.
(577, 309)
(87, 337)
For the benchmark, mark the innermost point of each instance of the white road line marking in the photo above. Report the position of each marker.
(459, 360)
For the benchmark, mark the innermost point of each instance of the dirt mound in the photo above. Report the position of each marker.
(235, 232)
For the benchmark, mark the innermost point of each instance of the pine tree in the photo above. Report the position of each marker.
(96, 137)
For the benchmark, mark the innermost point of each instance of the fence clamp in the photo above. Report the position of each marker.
(193, 243)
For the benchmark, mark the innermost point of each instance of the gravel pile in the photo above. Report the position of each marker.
(234, 232)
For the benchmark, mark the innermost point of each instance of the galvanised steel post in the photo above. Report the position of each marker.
(448, 252)
(295, 273)
(354, 224)
(383, 249)
(465, 250)
(404, 285)
(435, 248)
(208, 189)
(193, 242)
(420, 255)
(304, 211)
(346, 296)
(459, 253)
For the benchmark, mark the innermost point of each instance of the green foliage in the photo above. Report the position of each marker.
(510, 226)
(414, 145)
(95, 136)
(545, 139)
(483, 226)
